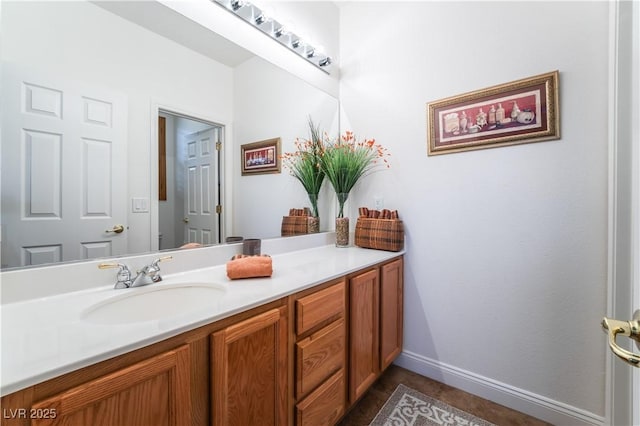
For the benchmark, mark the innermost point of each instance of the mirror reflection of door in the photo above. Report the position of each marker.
(189, 181)
(63, 169)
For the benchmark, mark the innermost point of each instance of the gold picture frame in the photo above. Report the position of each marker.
(261, 157)
(521, 111)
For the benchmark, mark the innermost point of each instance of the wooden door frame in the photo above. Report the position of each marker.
(162, 159)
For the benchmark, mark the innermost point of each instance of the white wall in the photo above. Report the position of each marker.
(506, 248)
(260, 103)
(81, 41)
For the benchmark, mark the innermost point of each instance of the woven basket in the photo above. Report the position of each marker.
(380, 234)
(294, 225)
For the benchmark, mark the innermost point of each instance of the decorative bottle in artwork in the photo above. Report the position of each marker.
(492, 115)
(514, 111)
(499, 113)
(481, 118)
(463, 122)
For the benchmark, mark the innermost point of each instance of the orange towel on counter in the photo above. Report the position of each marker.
(243, 266)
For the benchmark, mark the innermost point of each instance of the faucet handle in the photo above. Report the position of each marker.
(124, 274)
(152, 271)
(160, 259)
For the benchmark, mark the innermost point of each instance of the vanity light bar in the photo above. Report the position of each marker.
(251, 14)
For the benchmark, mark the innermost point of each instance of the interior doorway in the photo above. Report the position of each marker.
(189, 180)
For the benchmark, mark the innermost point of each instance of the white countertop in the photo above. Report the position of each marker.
(46, 337)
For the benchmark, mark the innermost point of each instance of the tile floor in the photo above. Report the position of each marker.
(376, 396)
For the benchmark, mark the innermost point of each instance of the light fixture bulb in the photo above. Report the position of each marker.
(295, 43)
(324, 61)
(236, 4)
(260, 19)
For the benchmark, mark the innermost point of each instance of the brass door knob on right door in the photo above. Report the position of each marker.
(629, 329)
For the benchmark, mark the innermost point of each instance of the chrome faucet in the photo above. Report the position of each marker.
(148, 275)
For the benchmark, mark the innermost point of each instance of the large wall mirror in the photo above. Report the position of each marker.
(86, 89)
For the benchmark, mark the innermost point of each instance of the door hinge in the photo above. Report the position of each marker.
(218, 146)
(218, 209)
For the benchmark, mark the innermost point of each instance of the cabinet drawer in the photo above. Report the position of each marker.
(325, 406)
(315, 308)
(319, 356)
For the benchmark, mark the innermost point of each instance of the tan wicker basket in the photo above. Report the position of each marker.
(380, 234)
(294, 225)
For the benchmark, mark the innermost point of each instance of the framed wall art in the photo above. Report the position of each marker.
(521, 111)
(261, 157)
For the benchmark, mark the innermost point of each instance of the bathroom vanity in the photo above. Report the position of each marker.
(298, 348)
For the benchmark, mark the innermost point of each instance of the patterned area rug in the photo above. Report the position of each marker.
(408, 407)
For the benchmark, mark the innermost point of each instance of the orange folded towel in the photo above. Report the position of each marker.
(242, 266)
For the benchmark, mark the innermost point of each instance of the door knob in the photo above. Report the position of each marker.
(629, 329)
(185, 220)
(116, 229)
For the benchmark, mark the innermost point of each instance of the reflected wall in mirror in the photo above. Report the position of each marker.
(265, 96)
(82, 66)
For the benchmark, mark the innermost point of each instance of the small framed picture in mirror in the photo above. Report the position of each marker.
(261, 157)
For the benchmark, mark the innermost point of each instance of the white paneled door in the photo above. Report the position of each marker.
(63, 169)
(201, 187)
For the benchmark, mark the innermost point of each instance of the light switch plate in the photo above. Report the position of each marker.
(140, 205)
(378, 203)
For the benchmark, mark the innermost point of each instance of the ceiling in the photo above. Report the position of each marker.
(170, 24)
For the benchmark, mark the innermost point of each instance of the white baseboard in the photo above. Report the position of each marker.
(538, 406)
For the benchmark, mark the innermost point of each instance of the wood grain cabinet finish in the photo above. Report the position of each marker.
(317, 307)
(320, 355)
(375, 324)
(391, 312)
(326, 405)
(249, 369)
(152, 392)
(364, 352)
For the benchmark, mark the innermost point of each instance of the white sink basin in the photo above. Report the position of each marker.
(153, 303)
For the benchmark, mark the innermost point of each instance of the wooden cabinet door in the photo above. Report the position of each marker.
(391, 302)
(364, 364)
(249, 368)
(153, 392)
